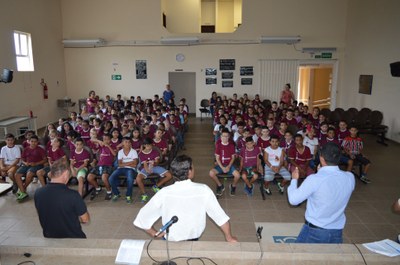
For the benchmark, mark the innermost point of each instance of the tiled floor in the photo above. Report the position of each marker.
(369, 215)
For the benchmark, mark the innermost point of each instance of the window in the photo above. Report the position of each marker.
(23, 51)
(201, 16)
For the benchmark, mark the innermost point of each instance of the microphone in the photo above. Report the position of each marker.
(173, 220)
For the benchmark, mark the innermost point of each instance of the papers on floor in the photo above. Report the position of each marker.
(130, 252)
(385, 247)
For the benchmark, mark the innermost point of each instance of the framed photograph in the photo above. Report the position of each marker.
(246, 81)
(211, 81)
(227, 64)
(227, 83)
(211, 71)
(365, 84)
(246, 70)
(141, 69)
(227, 75)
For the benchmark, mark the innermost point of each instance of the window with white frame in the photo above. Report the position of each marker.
(23, 51)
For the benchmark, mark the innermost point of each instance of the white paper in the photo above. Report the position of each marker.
(385, 247)
(130, 252)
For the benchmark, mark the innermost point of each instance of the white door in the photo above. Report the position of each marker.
(184, 86)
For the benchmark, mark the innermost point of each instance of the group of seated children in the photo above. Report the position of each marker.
(271, 141)
(134, 142)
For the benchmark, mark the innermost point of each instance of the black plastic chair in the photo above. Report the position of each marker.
(205, 104)
(377, 127)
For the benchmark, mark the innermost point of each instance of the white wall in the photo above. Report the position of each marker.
(41, 18)
(372, 43)
(183, 16)
(133, 20)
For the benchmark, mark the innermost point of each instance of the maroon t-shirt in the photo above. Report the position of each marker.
(35, 155)
(85, 135)
(106, 157)
(263, 143)
(54, 155)
(225, 152)
(80, 157)
(152, 156)
(300, 158)
(250, 156)
(115, 144)
(342, 135)
(136, 144)
(162, 144)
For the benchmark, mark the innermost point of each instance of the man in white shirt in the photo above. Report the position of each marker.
(127, 162)
(188, 201)
(10, 157)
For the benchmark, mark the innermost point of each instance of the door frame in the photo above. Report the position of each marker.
(335, 70)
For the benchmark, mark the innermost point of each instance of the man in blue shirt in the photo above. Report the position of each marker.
(327, 193)
(168, 94)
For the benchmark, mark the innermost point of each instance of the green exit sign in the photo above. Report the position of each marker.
(324, 55)
(116, 77)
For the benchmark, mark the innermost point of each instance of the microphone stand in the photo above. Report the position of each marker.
(169, 261)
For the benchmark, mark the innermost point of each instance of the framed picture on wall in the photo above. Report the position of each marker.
(246, 70)
(365, 84)
(227, 75)
(141, 69)
(211, 71)
(227, 83)
(246, 81)
(227, 64)
(211, 81)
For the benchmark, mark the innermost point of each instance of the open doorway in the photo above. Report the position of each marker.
(317, 84)
(184, 86)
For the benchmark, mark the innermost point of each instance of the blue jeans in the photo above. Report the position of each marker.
(130, 174)
(319, 236)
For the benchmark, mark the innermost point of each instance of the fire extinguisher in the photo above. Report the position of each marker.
(45, 89)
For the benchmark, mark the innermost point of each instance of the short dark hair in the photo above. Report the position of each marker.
(35, 137)
(10, 135)
(274, 136)
(147, 141)
(58, 168)
(180, 167)
(331, 153)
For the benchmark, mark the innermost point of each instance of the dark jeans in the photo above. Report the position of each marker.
(319, 236)
(130, 177)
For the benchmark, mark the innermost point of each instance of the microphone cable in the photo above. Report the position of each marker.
(259, 237)
(188, 259)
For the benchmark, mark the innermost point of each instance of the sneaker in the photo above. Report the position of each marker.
(155, 188)
(232, 190)
(128, 199)
(365, 180)
(115, 198)
(280, 188)
(22, 196)
(14, 188)
(220, 190)
(95, 192)
(108, 196)
(267, 191)
(249, 191)
(144, 198)
(35, 180)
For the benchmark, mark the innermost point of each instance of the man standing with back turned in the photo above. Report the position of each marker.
(61, 210)
(327, 193)
(188, 201)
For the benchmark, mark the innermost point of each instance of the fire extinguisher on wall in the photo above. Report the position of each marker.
(45, 89)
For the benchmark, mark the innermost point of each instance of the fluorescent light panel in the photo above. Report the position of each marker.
(84, 43)
(180, 40)
(280, 39)
(319, 49)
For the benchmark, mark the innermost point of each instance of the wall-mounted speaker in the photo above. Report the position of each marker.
(7, 76)
(395, 69)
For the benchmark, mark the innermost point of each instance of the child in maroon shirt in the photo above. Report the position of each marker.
(149, 159)
(33, 159)
(103, 167)
(225, 157)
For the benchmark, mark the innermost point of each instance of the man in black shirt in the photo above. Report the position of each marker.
(61, 210)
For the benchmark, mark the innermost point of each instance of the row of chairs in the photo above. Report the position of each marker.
(366, 120)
